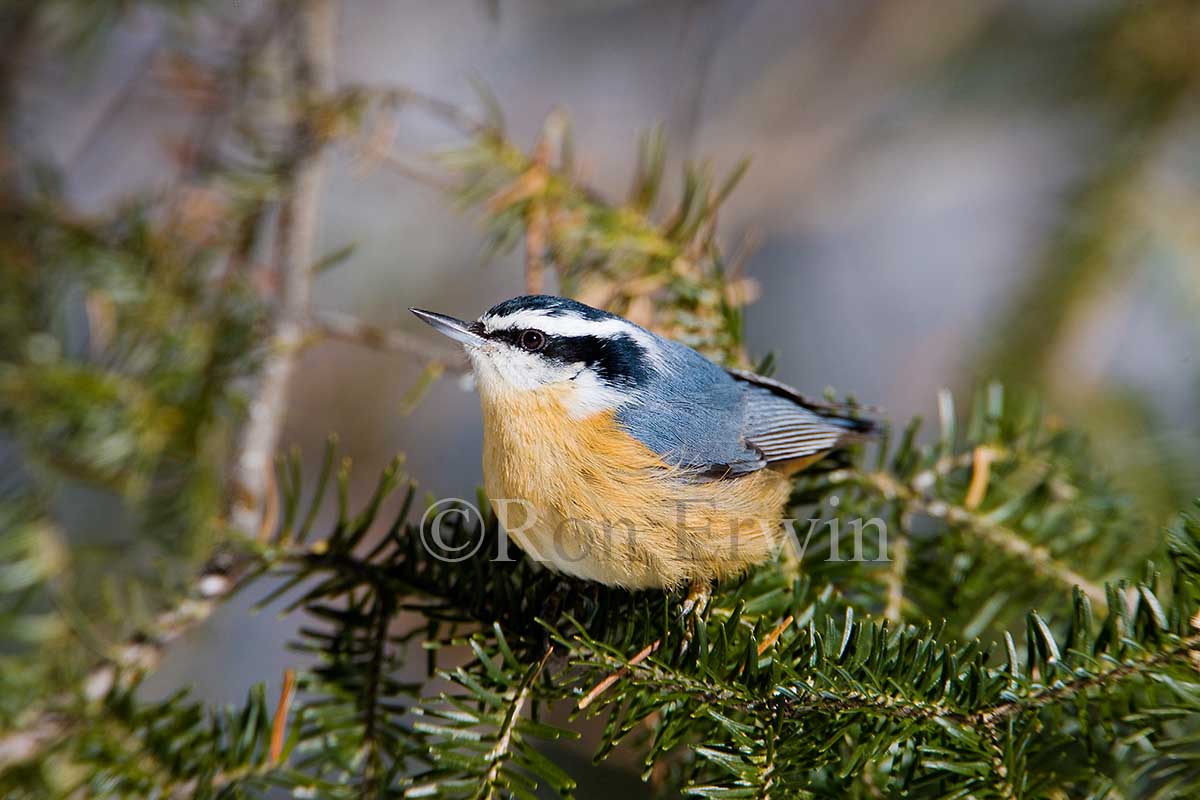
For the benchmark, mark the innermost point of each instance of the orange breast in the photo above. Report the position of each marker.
(585, 497)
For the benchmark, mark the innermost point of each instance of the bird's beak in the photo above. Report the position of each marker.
(456, 329)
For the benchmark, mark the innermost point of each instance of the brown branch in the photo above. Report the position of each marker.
(1069, 689)
(771, 637)
(140, 653)
(384, 608)
(981, 468)
(279, 724)
(615, 676)
(20, 746)
(376, 149)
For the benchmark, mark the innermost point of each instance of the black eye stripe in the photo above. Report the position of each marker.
(509, 335)
(617, 359)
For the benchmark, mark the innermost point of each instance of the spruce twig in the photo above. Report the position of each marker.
(501, 750)
(1007, 541)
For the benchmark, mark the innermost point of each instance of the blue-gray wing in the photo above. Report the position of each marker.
(727, 423)
(692, 413)
(730, 422)
(783, 425)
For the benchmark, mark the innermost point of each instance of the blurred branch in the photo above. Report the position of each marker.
(230, 88)
(25, 744)
(17, 22)
(1142, 72)
(897, 573)
(667, 274)
(141, 653)
(252, 470)
(115, 108)
(713, 24)
(346, 328)
(401, 167)
(296, 251)
(399, 96)
(537, 220)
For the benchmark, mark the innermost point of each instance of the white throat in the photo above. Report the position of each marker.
(502, 373)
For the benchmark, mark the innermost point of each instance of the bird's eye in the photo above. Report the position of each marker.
(533, 341)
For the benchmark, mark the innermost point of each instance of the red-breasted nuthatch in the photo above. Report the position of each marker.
(632, 459)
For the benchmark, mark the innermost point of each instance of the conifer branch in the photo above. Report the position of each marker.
(501, 750)
(1185, 649)
(140, 654)
(252, 478)
(1003, 539)
(617, 674)
(381, 618)
(897, 571)
(1018, 548)
(801, 699)
(788, 685)
(456, 116)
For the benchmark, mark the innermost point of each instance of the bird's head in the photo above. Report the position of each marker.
(538, 341)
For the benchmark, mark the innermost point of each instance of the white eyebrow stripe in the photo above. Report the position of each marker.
(514, 320)
(560, 325)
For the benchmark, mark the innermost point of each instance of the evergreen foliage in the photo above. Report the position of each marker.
(1021, 631)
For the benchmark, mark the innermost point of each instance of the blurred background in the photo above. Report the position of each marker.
(939, 193)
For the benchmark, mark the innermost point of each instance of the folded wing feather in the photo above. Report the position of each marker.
(783, 425)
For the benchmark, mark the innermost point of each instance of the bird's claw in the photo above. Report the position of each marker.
(693, 608)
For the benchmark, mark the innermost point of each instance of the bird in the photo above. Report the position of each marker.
(616, 455)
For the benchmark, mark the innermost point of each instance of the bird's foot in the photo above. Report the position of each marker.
(693, 608)
(696, 601)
